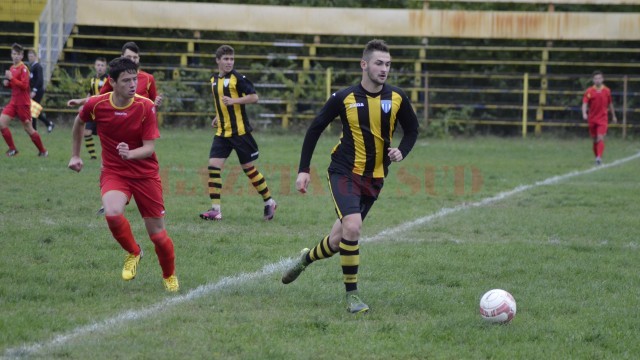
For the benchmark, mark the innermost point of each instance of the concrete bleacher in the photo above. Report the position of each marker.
(488, 80)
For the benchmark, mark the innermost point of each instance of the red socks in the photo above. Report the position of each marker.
(599, 148)
(6, 134)
(121, 231)
(164, 250)
(35, 137)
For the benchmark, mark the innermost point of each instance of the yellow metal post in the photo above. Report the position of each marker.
(544, 86)
(417, 75)
(36, 35)
(426, 99)
(525, 103)
(624, 106)
(285, 118)
(328, 81)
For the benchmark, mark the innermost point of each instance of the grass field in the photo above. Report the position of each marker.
(567, 251)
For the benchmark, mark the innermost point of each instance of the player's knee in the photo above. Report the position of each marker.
(351, 227)
(216, 163)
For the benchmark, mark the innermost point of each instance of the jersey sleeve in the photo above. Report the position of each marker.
(86, 111)
(585, 98)
(150, 123)
(409, 123)
(37, 79)
(153, 92)
(245, 86)
(329, 111)
(106, 87)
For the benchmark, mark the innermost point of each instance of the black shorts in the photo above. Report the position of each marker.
(91, 125)
(353, 194)
(244, 145)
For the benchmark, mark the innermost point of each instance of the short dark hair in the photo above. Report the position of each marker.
(597, 72)
(101, 58)
(32, 51)
(17, 48)
(119, 65)
(224, 50)
(130, 46)
(374, 45)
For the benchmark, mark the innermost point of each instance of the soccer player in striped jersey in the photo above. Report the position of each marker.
(95, 84)
(17, 79)
(370, 112)
(596, 103)
(128, 130)
(231, 92)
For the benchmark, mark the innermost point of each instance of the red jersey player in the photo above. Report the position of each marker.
(146, 82)
(596, 102)
(128, 130)
(17, 79)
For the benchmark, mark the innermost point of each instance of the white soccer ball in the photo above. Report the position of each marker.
(497, 306)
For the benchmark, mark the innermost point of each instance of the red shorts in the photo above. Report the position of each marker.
(596, 129)
(146, 192)
(22, 112)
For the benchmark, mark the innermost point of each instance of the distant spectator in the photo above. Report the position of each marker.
(37, 88)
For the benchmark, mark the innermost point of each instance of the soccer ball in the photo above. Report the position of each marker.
(497, 306)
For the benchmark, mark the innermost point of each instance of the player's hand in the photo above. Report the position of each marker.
(158, 101)
(33, 94)
(74, 102)
(75, 164)
(302, 182)
(8, 75)
(585, 117)
(395, 154)
(123, 150)
(227, 100)
(615, 120)
(214, 122)
(5, 82)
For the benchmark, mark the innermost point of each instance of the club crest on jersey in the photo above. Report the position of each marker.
(226, 82)
(386, 105)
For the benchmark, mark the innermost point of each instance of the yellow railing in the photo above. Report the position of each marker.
(426, 89)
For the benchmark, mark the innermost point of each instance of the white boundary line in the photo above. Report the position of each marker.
(227, 282)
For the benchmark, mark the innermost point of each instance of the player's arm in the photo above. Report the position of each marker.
(21, 81)
(143, 152)
(153, 92)
(38, 81)
(613, 112)
(77, 132)
(106, 87)
(247, 99)
(409, 123)
(329, 111)
(585, 106)
(77, 102)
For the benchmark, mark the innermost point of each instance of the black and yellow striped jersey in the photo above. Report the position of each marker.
(232, 120)
(368, 123)
(96, 84)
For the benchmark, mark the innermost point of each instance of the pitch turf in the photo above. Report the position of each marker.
(568, 252)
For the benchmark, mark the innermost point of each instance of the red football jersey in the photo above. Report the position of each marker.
(19, 85)
(130, 124)
(598, 101)
(146, 86)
